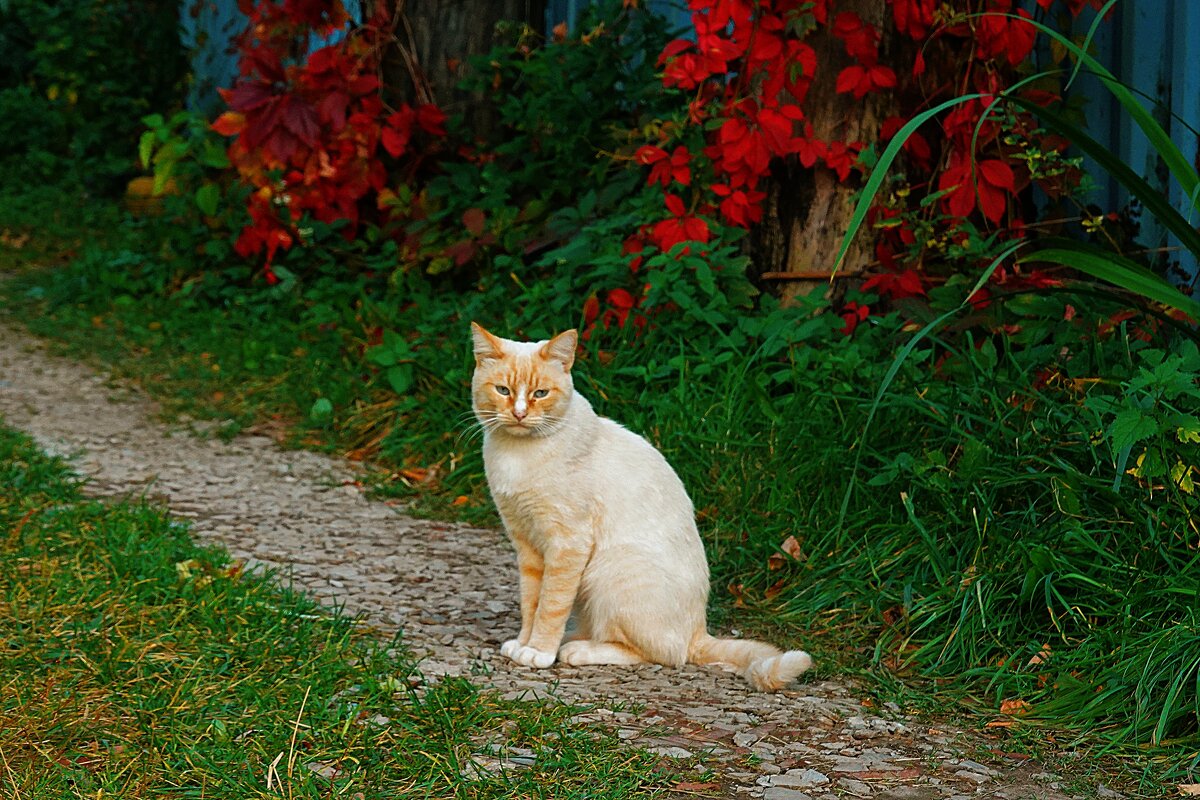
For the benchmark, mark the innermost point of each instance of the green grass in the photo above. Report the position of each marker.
(136, 664)
(947, 531)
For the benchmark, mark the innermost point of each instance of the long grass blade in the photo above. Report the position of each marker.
(1117, 270)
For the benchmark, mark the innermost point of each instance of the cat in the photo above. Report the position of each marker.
(601, 524)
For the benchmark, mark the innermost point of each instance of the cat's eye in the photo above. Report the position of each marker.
(540, 393)
(503, 391)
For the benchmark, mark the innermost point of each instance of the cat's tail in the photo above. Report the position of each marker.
(766, 667)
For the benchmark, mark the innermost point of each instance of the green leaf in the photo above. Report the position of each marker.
(146, 148)
(321, 410)
(207, 198)
(400, 378)
(1131, 426)
(162, 174)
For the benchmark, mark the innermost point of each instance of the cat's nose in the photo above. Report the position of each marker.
(519, 414)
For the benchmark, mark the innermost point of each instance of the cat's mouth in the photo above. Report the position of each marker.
(521, 427)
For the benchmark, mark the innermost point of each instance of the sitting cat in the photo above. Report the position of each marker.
(601, 524)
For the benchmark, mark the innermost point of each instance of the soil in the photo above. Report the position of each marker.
(451, 589)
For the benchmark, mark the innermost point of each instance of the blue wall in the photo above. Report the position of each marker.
(1152, 46)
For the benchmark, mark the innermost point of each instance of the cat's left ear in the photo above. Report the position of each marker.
(561, 348)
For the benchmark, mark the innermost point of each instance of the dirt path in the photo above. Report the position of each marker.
(451, 589)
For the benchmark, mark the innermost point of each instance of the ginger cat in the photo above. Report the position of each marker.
(601, 524)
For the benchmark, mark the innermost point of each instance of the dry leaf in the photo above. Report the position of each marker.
(1014, 708)
(775, 561)
(999, 723)
(879, 775)
(791, 547)
(774, 589)
(688, 786)
(1189, 789)
(1040, 657)
(461, 500)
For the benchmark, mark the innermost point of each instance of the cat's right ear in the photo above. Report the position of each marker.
(486, 345)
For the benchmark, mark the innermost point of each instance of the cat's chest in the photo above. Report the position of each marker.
(512, 472)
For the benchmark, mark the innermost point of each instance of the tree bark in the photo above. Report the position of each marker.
(807, 211)
(437, 37)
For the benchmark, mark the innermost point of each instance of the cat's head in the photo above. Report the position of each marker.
(521, 388)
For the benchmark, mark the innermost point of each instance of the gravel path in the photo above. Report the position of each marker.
(451, 588)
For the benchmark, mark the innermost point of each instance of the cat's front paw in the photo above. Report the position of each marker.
(527, 656)
(511, 646)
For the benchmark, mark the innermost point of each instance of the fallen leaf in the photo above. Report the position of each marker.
(1015, 707)
(791, 547)
(461, 500)
(415, 474)
(1040, 657)
(1012, 756)
(999, 723)
(1189, 789)
(880, 775)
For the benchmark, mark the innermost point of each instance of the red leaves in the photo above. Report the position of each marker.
(896, 285)
(1001, 36)
(862, 80)
(681, 227)
(914, 18)
(320, 122)
(841, 157)
(862, 40)
(991, 182)
(862, 43)
(741, 208)
(664, 168)
(852, 314)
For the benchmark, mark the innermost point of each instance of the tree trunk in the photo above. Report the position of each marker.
(808, 211)
(437, 37)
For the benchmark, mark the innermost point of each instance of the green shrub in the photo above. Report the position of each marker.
(77, 79)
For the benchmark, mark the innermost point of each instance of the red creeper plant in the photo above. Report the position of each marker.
(749, 66)
(313, 135)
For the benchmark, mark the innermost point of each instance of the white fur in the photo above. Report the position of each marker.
(584, 487)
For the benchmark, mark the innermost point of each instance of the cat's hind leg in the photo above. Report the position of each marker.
(582, 652)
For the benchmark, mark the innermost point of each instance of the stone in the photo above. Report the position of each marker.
(671, 752)
(800, 779)
(780, 793)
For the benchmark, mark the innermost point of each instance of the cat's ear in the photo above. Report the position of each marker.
(561, 348)
(486, 345)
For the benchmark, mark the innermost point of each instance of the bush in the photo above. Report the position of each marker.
(77, 79)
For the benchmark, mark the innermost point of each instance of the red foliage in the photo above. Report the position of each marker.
(750, 69)
(314, 137)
